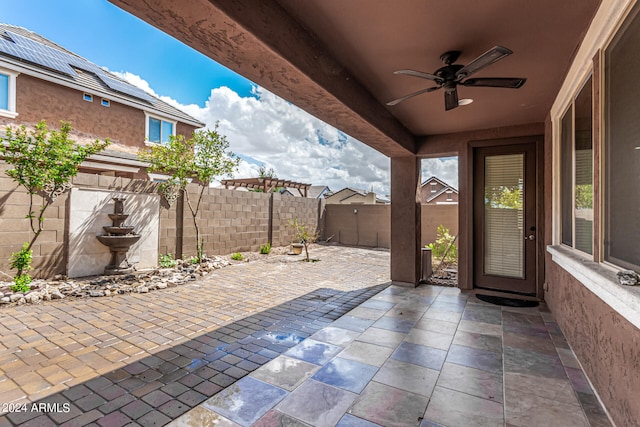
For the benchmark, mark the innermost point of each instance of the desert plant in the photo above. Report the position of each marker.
(265, 249)
(167, 260)
(21, 261)
(302, 234)
(236, 256)
(44, 162)
(444, 241)
(204, 156)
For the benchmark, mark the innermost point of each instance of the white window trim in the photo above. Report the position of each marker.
(146, 127)
(86, 95)
(105, 102)
(11, 111)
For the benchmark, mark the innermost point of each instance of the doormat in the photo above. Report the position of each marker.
(509, 302)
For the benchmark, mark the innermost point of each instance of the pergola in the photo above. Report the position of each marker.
(267, 185)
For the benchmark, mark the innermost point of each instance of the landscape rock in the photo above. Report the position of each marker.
(145, 282)
(628, 278)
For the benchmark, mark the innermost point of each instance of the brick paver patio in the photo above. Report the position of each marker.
(151, 357)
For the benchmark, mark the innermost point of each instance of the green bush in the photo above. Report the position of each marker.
(21, 261)
(21, 283)
(167, 260)
(265, 249)
(439, 247)
(237, 256)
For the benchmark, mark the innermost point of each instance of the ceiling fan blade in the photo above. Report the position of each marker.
(507, 82)
(451, 99)
(420, 74)
(411, 95)
(494, 54)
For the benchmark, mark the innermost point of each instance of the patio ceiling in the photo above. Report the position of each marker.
(335, 58)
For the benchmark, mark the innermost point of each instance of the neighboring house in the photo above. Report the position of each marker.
(351, 196)
(318, 191)
(434, 191)
(42, 80)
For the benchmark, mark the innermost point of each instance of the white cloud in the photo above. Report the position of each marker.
(445, 169)
(298, 146)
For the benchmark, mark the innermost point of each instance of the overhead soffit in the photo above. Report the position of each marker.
(335, 58)
(373, 38)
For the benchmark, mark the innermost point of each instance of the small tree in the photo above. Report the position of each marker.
(302, 234)
(204, 156)
(44, 162)
(444, 245)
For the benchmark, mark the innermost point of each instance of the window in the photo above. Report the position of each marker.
(577, 172)
(87, 97)
(622, 147)
(105, 102)
(433, 187)
(449, 196)
(8, 94)
(159, 130)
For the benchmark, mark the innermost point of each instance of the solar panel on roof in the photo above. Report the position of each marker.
(35, 52)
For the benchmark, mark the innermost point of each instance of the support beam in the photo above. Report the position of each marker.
(262, 42)
(405, 221)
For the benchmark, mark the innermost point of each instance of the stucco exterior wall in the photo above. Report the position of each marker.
(38, 99)
(605, 343)
(370, 226)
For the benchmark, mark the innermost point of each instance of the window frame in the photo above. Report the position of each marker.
(571, 107)
(11, 111)
(87, 97)
(148, 116)
(105, 102)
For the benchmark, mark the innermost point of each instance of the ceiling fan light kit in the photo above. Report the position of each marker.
(452, 75)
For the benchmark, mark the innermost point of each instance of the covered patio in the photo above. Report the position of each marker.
(567, 130)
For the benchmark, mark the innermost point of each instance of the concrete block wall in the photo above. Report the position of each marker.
(230, 221)
(285, 209)
(48, 252)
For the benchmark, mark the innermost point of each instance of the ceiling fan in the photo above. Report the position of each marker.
(452, 75)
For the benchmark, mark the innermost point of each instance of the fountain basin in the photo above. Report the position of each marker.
(119, 242)
(118, 230)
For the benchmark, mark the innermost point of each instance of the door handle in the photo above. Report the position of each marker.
(530, 237)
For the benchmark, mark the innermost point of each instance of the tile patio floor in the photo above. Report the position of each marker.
(255, 345)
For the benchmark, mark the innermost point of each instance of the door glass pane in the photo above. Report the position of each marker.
(504, 215)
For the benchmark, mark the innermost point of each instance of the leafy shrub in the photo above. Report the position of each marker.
(443, 240)
(167, 260)
(194, 259)
(237, 256)
(21, 283)
(21, 261)
(265, 249)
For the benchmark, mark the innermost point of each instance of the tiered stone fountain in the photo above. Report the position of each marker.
(118, 239)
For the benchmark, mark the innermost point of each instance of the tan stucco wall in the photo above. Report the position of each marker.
(605, 343)
(370, 226)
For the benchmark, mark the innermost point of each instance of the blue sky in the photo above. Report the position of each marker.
(261, 127)
(112, 38)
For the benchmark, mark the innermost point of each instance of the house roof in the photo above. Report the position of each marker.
(350, 192)
(34, 54)
(317, 191)
(434, 178)
(442, 190)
